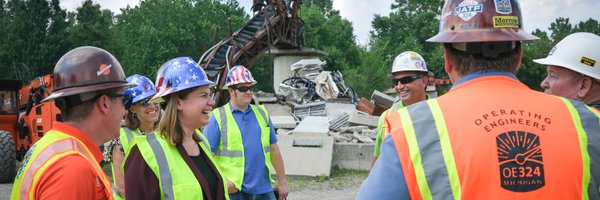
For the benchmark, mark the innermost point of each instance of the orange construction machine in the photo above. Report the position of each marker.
(24, 119)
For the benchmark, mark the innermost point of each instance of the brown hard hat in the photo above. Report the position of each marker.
(464, 21)
(86, 69)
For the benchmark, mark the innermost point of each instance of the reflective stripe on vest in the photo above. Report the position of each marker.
(166, 182)
(63, 145)
(230, 151)
(588, 131)
(429, 148)
(437, 180)
(225, 152)
(176, 178)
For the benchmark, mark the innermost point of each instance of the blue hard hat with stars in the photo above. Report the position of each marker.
(144, 89)
(179, 74)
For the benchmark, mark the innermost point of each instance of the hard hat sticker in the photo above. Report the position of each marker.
(503, 6)
(468, 9)
(587, 61)
(506, 22)
(104, 70)
(520, 160)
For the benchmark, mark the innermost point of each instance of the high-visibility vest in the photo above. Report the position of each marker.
(43, 154)
(494, 138)
(125, 136)
(176, 179)
(230, 152)
(382, 127)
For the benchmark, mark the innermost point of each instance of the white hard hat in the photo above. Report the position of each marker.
(579, 52)
(409, 61)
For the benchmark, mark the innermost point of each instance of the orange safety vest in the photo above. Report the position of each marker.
(494, 138)
(51, 148)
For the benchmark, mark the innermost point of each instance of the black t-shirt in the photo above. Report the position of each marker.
(201, 161)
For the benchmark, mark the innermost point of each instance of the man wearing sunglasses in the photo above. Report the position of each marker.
(243, 140)
(490, 136)
(64, 164)
(409, 79)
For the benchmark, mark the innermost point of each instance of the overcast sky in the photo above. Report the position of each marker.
(536, 14)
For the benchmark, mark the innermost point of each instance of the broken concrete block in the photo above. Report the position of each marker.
(379, 98)
(353, 129)
(336, 109)
(309, 109)
(353, 156)
(360, 119)
(339, 122)
(361, 138)
(283, 122)
(314, 125)
(371, 133)
(339, 138)
(283, 131)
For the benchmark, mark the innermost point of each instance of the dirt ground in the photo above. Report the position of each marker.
(343, 184)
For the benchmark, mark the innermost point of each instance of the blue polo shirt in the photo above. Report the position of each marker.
(256, 177)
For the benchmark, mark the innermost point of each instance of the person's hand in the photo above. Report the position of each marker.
(283, 190)
(231, 187)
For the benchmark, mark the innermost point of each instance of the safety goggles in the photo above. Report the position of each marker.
(405, 80)
(242, 88)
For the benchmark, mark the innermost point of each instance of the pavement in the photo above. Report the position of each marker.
(5, 189)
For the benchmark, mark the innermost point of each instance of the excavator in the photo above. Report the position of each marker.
(24, 119)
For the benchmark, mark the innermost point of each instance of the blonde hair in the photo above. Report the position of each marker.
(169, 126)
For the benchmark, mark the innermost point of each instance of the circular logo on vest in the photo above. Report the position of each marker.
(520, 160)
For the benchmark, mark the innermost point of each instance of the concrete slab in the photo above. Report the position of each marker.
(284, 122)
(276, 109)
(313, 125)
(353, 156)
(360, 119)
(383, 99)
(336, 109)
(305, 155)
(352, 129)
(339, 122)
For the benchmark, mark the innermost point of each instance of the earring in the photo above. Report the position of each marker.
(134, 114)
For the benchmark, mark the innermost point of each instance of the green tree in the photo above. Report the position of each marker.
(410, 23)
(159, 30)
(531, 73)
(92, 27)
(560, 29)
(591, 26)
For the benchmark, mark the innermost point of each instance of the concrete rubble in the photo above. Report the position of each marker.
(320, 122)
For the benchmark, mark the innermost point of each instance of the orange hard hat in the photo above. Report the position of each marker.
(86, 69)
(464, 21)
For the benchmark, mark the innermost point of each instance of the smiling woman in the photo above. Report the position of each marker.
(176, 161)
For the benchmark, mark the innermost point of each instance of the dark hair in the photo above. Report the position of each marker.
(78, 107)
(466, 63)
(133, 123)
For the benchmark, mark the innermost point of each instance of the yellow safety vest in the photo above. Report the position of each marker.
(230, 152)
(176, 179)
(125, 136)
(44, 153)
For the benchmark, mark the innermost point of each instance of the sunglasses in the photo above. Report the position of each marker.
(114, 95)
(405, 80)
(242, 88)
(144, 102)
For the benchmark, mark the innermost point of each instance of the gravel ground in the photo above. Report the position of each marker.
(343, 184)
